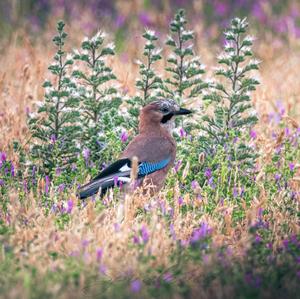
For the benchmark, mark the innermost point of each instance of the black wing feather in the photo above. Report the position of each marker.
(112, 168)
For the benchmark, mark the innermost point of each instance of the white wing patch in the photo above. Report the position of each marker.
(125, 168)
(124, 179)
(120, 179)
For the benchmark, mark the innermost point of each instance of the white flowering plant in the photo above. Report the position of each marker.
(99, 99)
(219, 153)
(233, 113)
(184, 66)
(55, 127)
(149, 80)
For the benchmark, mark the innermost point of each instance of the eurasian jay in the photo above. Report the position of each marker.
(154, 147)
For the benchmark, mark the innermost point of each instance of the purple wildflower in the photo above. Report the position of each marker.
(61, 188)
(58, 171)
(120, 21)
(168, 277)
(3, 157)
(287, 131)
(285, 243)
(294, 239)
(70, 205)
(116, 181)
(53, 139)
(235, 192)
(258, 239)
(293, 195)
(54, 208)
(177, 166)
(242, 191)
(194, 185)
(200, 233)
(258, 12)
(135, 286)
(277, 177)
(221, 8)
(117, 227)
(120, 185)
(33, 174)
(1, 183)
(280, 25)
(292, 166)
(257, 282)
(211, 183)
(47, 184)
(280, 107)
(136, 239)
(85, 243)
(184, 243)
(180, 200)
(172, 231)
(208, 173)
(99, 253)
(145, 234)
(162, 207)
(102, 269)
(25, 186)
(124, 137)
(269, 245)
(144, 19)
(253, 134)
(86, 154)
(147, 207)
(12, 169)
(182, 133)
(62, 208)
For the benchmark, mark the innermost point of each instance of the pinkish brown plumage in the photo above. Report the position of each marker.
(154, 147)
(154, 143)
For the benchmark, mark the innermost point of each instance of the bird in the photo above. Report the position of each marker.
(154, 147)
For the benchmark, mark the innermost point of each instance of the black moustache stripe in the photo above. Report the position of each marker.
(166, 118)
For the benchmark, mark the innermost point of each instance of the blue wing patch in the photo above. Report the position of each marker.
(148, 167)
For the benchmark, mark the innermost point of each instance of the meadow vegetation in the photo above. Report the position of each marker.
(226, 225)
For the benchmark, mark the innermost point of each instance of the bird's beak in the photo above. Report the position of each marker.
(182, 111)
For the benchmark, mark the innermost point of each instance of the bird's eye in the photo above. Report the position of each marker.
(164, 110)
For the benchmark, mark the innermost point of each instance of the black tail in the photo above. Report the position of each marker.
(101, 184)
(92, 188)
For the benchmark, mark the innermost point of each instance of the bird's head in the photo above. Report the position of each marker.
(161, 112)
